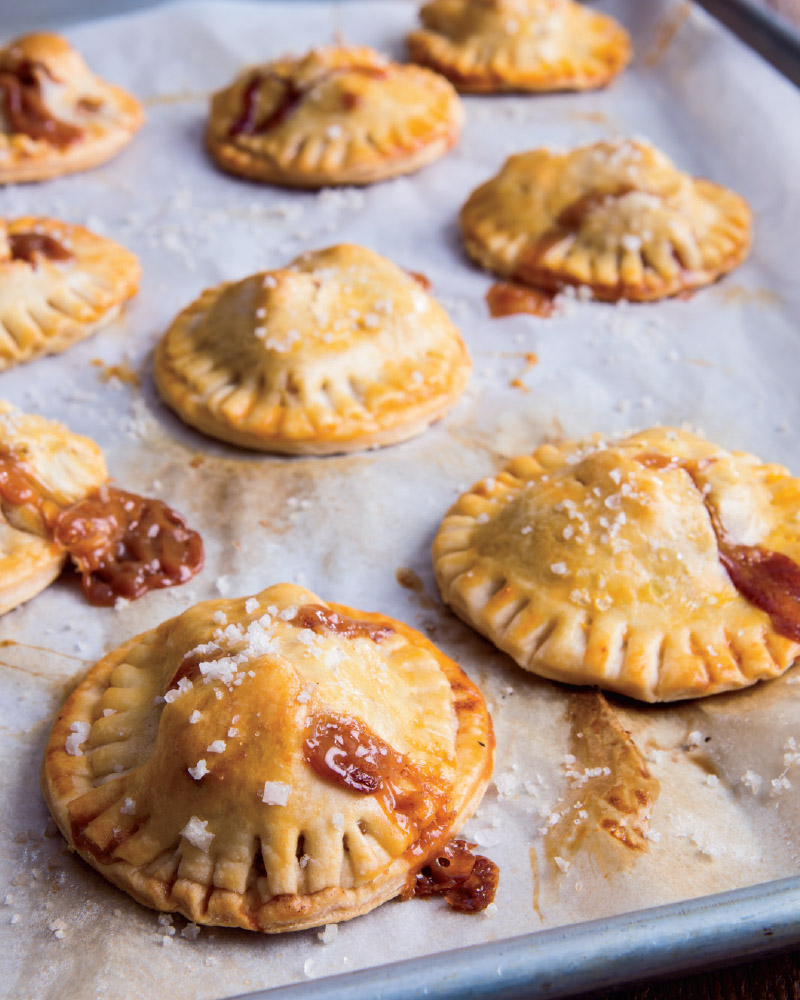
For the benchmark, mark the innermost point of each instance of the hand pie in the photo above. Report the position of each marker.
(272, 763)
(54, 502)
(334, 116)
(339, 351)
(56, 116)
(58, 284)
(487, 46)
(616, 217)
(661, 566)
(43, 468)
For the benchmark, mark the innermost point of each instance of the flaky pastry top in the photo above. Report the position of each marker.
(227, 763)
(55, 114)
(653, 566)
(616, 216)
(342, 349)
(336, 115)
(496, 45)
(58, 283)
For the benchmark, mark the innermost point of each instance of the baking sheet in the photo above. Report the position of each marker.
(348, 527)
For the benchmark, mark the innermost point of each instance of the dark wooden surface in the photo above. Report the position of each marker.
(789, 8)
(776, 978)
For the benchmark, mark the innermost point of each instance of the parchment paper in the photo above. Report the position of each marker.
(725, 362)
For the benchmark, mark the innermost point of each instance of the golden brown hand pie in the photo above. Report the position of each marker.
(660, 566)
(271, 763)
(334, 116)
(339, 351)
(56, 116)
(58, 284)
(486, 46)
(63, 468)
(616, 217)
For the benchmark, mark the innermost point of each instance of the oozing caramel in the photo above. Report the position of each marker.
(27, 246)
(505, 298)
(25, 109)
(343, 750)
(291, 96)
(767, 579)
(321, 619)
(467, 881)
(124, 545)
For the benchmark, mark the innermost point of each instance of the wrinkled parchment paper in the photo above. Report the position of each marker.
(358, 529)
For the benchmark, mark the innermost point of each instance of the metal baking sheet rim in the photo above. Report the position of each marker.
(771, 35)
(664, 941)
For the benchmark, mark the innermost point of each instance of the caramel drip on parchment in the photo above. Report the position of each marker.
(613, 793)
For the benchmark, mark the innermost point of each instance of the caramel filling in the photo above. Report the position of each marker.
(291, 97)
(767, 579)
(467, 881)
(26, 110)
(343, 750)
(321, 619)
(505, 298)
(122, 544)
(29, 246)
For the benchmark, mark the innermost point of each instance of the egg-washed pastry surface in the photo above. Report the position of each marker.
(333, 116)
(43, 468)
(271, 763)
(661, 566)
(56, 116)
(339, 351)
(55, 502)
(486, 46)
(59, 283)
(616, 217)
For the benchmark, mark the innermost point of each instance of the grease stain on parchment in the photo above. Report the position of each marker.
(180, 97)
(737, 295)
(606, 811)
(537, 883)
(666, 31)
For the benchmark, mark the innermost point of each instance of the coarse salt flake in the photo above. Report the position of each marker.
(128, 807)
(79, 733)
(197, 834)
(218, 746)
(276, 793)
(198, 770)
(195, 717)
(328, 934)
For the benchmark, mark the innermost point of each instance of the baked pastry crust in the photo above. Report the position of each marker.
(56, 116)
(489, 46)
(616, 217)
(338, 115)
(607, 563)
(59, 283)
(65, 467)
(256, 837)
(341, 350)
